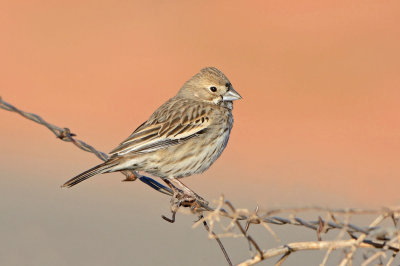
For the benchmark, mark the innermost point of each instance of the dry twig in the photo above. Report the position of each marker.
(381, 239)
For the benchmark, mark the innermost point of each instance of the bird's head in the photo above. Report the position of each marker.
(209, 85)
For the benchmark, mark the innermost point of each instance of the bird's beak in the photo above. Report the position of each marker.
(231, 95)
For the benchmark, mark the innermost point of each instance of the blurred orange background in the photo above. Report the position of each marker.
(319, 122)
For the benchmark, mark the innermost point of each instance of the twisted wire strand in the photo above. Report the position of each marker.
(66, 135)
(391, 237)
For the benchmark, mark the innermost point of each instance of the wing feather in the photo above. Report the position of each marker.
(158, 132)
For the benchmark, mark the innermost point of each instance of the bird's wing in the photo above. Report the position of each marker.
(166, 127)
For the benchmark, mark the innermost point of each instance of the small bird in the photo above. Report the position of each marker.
(183, 137)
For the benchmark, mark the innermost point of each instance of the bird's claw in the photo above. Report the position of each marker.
(180, 199)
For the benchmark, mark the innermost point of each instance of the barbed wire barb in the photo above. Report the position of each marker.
(223, 219)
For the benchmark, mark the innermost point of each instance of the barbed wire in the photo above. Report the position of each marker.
(372, 236)
(66, 135)
(383, 239)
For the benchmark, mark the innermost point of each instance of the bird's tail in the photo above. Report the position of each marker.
(98, 169)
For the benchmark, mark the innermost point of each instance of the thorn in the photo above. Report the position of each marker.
(395, 221)
(246, 229)
(321, 225)
(252, 220)
(172, 220)
(66, 134)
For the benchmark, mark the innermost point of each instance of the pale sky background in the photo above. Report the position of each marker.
(319, 123)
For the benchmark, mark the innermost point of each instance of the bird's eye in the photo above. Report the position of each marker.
(213, 89)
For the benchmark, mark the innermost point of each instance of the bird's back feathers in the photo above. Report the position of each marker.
(186, 119)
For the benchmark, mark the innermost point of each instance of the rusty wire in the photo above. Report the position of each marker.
(66, 135)
(382, 239)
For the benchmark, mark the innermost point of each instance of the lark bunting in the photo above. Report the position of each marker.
(182, 137)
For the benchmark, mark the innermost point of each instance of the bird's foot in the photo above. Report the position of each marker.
(129, 176)
(183, 197)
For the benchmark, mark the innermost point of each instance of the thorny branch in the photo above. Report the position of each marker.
(383, 239)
